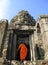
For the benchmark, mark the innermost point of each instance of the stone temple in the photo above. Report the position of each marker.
(24, 28)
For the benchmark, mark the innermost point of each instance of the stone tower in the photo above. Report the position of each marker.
(24, 28)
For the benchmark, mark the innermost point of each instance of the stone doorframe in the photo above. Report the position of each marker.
(32, 46)
(31, 43)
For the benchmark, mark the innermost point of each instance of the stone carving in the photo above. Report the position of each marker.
(23, 17)
(4, 53)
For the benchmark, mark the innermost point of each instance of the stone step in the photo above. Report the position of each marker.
(21, 63)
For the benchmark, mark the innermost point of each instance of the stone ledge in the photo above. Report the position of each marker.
(42, 62)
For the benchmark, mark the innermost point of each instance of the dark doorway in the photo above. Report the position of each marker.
(39, 52)
(23, 38)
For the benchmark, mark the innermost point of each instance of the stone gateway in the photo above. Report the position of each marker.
(24, 29)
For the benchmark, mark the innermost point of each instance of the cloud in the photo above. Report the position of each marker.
(3, 7)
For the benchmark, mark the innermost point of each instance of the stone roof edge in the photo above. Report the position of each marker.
(42, 16)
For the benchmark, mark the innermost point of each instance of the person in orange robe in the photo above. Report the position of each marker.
(23, 51)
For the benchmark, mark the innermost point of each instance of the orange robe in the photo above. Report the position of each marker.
(23, 51)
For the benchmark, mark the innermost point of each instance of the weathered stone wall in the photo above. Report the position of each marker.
(3, 27)
(43, 22)
(45, 36)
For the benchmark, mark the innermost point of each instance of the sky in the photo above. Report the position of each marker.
(10, 8)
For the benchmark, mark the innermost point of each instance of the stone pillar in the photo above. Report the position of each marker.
(10, 46)
(30, 41)
(33, 47)
(14, 47)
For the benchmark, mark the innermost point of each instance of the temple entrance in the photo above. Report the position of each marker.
(24, 39)
(13, 53)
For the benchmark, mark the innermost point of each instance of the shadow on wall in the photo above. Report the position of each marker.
(39, 52)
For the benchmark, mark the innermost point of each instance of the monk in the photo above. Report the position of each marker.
(23, 51)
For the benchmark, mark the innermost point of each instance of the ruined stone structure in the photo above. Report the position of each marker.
(24, 28)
